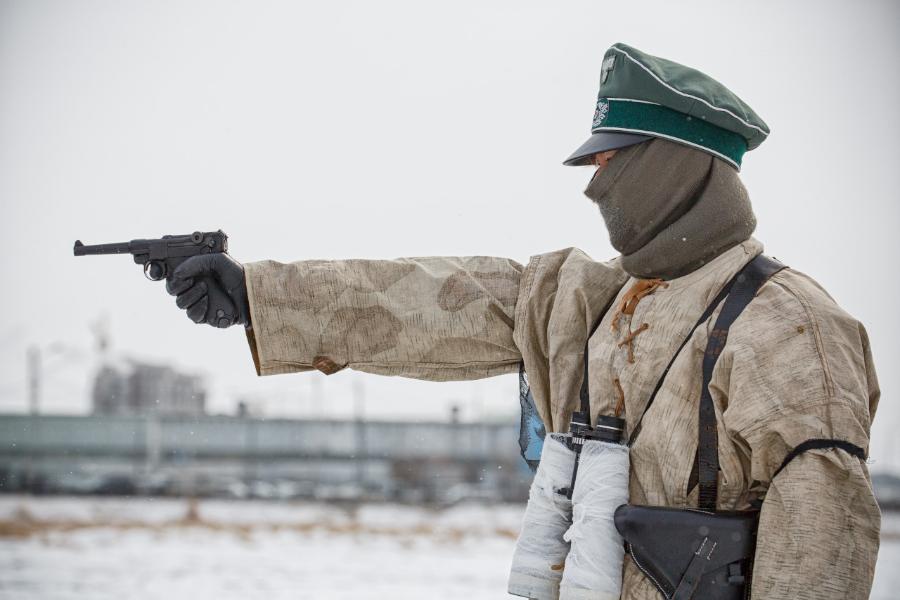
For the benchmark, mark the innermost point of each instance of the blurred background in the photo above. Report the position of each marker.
(140, 455)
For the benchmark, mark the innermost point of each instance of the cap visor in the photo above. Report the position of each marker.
(601, 142)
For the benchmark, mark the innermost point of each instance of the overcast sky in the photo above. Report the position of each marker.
(385, 129)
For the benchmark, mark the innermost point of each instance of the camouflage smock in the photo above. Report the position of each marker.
(795, 367)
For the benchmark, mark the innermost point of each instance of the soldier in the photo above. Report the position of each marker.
(794, 389)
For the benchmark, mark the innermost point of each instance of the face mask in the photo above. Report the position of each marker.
(645, 188)
(670, 208)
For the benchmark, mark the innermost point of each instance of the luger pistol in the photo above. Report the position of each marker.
(160, 257)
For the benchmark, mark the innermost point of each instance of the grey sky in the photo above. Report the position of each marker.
(383, 129)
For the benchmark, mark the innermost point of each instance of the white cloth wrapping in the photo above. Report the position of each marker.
(593, 569)
(541, 550)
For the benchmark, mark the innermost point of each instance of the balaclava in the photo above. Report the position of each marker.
(670, 208)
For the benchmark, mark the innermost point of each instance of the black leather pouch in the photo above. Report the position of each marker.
(689, 553)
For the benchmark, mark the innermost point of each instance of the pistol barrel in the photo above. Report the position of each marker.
(120, 248)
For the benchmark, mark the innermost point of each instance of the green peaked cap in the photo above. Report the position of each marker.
(642, 94)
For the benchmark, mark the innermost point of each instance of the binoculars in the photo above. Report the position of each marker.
(568, 548)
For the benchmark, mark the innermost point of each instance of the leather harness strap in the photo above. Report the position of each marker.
(746, 285)
(703, 318)
(723, 293)
(584, 394)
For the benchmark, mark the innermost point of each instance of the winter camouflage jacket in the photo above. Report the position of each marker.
(795, 367)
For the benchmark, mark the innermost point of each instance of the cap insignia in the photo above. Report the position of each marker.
(606, 67)
(601, 112)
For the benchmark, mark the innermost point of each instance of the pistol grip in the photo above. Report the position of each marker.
(220, 310)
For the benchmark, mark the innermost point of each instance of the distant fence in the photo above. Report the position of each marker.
(426, 459)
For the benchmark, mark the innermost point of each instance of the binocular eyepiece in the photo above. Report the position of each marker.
(608, 429)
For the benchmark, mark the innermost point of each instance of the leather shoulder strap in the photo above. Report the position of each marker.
(746, 285)
(584, 394)
(659, 382)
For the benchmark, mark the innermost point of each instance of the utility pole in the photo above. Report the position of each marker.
(33, 365)
(359, 400)
(152, 441)
(100, 328)
(316, 406)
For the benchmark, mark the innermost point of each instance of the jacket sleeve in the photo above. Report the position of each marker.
(428, 318)
(434, 318)
(818, 530)
(805, 373)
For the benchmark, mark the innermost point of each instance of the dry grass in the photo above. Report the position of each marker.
(24, 525)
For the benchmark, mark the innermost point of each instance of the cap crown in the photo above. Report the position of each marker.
(647, 94)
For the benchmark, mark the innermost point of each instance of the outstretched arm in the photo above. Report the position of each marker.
(428, 318)
(437, 318)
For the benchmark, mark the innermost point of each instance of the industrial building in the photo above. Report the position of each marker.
(131, 387)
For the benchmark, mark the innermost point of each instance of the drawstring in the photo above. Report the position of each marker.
(629, 340)
(631, 298)
(620, 398)
(626, 307)
(628, 304)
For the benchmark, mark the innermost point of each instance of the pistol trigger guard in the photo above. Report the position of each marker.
(154, 270)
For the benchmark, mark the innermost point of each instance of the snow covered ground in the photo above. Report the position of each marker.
(99, 549)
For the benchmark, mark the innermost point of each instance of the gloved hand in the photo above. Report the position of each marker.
(211, 288)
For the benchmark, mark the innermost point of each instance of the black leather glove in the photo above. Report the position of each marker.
(211, 288)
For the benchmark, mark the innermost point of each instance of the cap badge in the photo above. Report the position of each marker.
(606, 67)
(601, 112)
